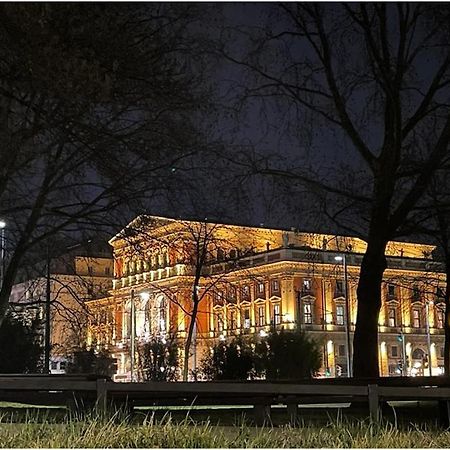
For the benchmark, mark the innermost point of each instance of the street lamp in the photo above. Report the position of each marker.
(133, 334)
(427, 325)
(2, 243)
(347, 313)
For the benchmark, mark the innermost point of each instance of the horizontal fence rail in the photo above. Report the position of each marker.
(102, 393)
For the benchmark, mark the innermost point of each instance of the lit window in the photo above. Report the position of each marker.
(339, 315)
(416, 318)
(440, 316)
(232, 322)
(307, 285)
(275, 286)
(246, 318)
(392, 317)
(307, 313)
(219, 322)
(261, 316)
(260, 289)
(276, 315)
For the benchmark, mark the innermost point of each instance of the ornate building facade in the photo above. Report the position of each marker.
(248, 280)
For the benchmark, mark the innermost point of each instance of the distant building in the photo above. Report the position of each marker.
(80, 273)
(255, 279)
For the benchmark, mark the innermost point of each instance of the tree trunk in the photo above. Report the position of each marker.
(187, 345)
(365, 341)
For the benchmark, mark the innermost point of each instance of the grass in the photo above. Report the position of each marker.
(119, 432)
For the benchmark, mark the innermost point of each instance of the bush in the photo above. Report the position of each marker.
(282, 355)
(20, 351)
(87, 362)
(229, 361)
(287, 355)
(158, 360)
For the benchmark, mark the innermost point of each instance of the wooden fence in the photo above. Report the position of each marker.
(102, 393)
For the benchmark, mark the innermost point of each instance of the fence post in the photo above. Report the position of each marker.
(374, 402)
(444, 413)
(102, 395)
(262, 414)
(292, 412)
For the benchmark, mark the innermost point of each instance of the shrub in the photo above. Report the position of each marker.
(229, 361)
(287, 355)
(20, 351)
(282, 355)
(159, 360)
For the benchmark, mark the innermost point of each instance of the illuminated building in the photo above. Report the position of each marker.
(253, 279)
(80, 273)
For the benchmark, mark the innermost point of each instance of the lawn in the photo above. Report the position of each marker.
(122, 433)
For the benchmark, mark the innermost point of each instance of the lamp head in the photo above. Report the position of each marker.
(2, 224)
(338, 258)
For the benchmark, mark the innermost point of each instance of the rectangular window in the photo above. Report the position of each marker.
(276, 315)
(245, 293)
(275, 287)
(394, 351)
(339, 287)
(440, 316)
(416, 293)
(416, 318)
(441, 351)
(307, 313)
(246, 316)
(392, 317)
(339, 315)
(219, 322)
(232, 294)
(261, 316)
(232, 322)
(260, 290)
(307, 285)
(391, 291)
(341, 350)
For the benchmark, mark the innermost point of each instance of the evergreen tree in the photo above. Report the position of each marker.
(20, 350)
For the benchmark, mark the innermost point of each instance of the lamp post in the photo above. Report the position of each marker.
(132, 334)
(347, 313)
(427, 325)
(2, 243)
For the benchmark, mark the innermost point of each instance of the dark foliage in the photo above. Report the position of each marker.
(87, 362)
(288, 355)
(230, 361)
(282, 355)
(158, 360)
(20, 351)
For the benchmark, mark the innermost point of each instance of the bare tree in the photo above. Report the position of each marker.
(209, 253)
(357, 72)
(96, 114)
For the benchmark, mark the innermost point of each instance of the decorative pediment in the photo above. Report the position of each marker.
(339, 299)
(417, 304)
(308, 298)
(392, 302)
